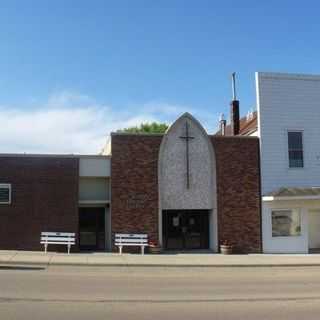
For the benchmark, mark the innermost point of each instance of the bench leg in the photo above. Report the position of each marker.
(45, 248)
(120, 249)
(142, 250)
(69, 246)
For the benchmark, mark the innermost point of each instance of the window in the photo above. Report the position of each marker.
(286, 223)
(295, 149)
(5, 193)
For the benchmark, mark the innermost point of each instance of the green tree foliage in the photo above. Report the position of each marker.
(153, 127)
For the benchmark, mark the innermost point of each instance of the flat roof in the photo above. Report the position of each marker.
(137, 134)
(288, 76)
(51, 155)
(162, 134)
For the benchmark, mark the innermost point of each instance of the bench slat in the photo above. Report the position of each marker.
(57, 239)
(128, 235)
(131, 241)
(63, 234)
(56, 242)
(131, 245)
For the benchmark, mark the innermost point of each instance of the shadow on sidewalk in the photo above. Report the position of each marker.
(25, 268)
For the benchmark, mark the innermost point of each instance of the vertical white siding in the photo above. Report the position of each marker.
(288, 102)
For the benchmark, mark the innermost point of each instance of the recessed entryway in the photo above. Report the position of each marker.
(186, 229)
(314, 231)
(92, 235)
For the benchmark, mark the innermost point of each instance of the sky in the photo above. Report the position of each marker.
(73, 71)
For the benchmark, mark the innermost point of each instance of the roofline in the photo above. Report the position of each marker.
(244, 128)
(288, 198)
(162, 134)
(288, 76)
(136, 134)
(42, 155)
(93, 156)
(217, 136)
(250, 132)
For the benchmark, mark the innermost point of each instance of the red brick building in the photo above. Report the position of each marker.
(187, 199)
(186, 189)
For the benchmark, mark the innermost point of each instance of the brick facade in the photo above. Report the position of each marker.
(238, 191)
(134, 184)
(45, 192)
(44, 198)
(135, 201)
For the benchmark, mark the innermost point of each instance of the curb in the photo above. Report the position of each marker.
(158, 265)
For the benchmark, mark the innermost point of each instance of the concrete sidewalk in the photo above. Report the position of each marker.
(163, 260)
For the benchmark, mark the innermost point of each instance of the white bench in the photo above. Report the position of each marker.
(66, 238)
(124, 239)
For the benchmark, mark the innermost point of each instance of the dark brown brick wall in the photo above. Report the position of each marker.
(238, 188)
(135, 202)
(134, 181)
(44, 198)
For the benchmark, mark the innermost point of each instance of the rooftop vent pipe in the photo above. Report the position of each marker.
(234, 110)
(222, 124)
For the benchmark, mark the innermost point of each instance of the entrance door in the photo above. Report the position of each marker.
(92, 229)
(314, 230)
(186, 229)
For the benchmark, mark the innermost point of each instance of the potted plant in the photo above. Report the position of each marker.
(226, 247)
(154, 248)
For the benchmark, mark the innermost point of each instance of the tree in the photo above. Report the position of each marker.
(154, 127)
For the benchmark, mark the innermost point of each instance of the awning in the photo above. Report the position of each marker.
(290, 193)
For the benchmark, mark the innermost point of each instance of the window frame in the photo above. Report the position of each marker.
(6, 186)
(302, 145)
(292, 210)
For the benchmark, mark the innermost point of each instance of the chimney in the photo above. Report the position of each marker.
(234, 110)
(222, 125)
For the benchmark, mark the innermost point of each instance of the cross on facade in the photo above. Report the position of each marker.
(187, 138)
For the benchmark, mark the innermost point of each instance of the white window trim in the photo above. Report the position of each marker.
(286, 209)
(6, 185)
(303, 149)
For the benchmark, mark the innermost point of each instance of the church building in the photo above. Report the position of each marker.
(186, 189)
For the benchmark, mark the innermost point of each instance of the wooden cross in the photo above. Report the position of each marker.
(187, 138)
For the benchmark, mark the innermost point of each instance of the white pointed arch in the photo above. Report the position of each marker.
(172, 173)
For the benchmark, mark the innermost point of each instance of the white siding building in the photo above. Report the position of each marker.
(289, 129)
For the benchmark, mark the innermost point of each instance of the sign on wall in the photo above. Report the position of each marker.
(137, 201)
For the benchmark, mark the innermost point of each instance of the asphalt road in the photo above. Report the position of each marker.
(160, 293)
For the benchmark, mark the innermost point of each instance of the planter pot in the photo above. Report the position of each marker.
(155, 250)
(225, 249)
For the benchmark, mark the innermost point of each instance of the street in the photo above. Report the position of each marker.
(159, 293)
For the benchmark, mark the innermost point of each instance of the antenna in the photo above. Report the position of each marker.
(234, 95)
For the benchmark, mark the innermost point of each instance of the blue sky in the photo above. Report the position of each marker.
(72, 71)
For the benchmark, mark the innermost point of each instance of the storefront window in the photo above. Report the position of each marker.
(286, 223)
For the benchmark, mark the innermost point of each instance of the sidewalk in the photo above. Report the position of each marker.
(163, 260)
